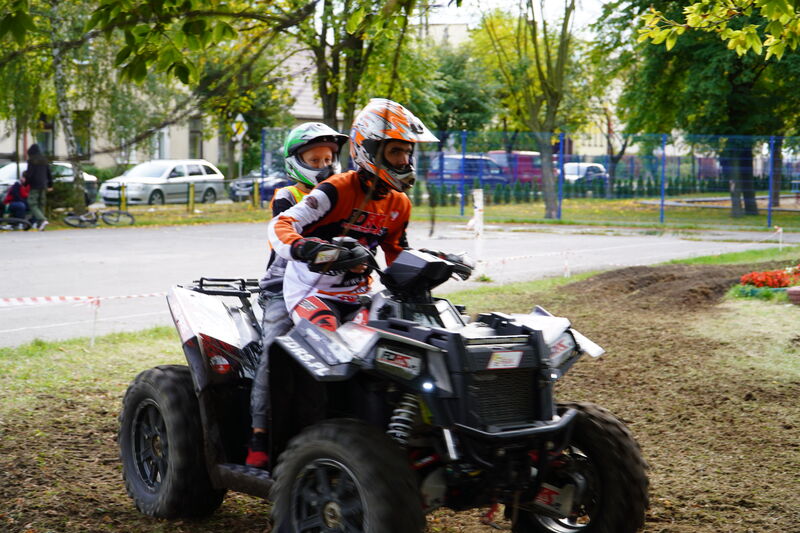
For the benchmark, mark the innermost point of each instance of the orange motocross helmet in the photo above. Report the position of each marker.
(380, 121)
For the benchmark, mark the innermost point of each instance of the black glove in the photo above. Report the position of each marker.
(329, 258)
(315, 251)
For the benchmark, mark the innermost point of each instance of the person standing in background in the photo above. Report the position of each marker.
(40, 180)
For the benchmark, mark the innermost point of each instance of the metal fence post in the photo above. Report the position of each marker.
(123, 198)
(663, 173)
(190, 203)
(771, 174)
(463, 166)
(560, 173)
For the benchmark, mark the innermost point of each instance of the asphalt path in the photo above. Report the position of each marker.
(126, 266)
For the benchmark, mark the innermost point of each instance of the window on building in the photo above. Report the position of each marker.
(45, 134)
(196, 138)
(81, 127)
(160, 149)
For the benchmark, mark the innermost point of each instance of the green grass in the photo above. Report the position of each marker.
(622, 212)
(788, 253)
(761, 336)
(576, 211)
(60, 368)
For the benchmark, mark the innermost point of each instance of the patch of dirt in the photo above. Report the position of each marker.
(663, 287)
(721, 441)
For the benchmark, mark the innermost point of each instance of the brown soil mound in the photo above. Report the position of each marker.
(669, 286)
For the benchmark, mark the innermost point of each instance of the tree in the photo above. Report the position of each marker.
(21, 107)
(705, 89)
(466, 92)
(532, 60)
(777, 27)
(342, 38)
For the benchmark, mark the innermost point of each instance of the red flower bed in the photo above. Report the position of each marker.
(773, 278)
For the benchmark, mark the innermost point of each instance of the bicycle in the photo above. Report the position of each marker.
(14, 224)
(112, 217)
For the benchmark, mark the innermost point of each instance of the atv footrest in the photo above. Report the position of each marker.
(244, 478)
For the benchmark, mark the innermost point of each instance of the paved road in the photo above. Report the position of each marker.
(134, 261)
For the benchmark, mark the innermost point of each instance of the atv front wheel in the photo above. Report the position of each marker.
(161, 446)
(342, 476)
(604, 456)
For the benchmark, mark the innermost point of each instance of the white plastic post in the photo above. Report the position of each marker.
(96, 305)
(477, 212)
(477, 228)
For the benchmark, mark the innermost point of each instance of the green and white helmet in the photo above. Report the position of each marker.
(304, 137)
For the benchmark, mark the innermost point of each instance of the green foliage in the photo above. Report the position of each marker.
(730, 20)
(466, 96)
(759, 293)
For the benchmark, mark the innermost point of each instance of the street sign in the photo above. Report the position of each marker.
(239, 127)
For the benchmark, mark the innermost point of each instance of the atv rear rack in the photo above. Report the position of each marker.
(239, 287)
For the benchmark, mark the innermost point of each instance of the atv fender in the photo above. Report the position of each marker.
(323, 357)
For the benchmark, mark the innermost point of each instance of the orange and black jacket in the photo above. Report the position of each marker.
(339, 207)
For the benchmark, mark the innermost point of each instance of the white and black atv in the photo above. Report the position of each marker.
(424, 409)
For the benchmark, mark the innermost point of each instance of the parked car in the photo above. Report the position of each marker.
(519, 165)
(62, 173)
(166, 181)
(574, 172)
(241, 189)
(475, 167)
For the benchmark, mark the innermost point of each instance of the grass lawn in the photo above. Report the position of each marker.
(580, 211)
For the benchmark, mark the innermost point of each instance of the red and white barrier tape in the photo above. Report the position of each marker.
(90, 300)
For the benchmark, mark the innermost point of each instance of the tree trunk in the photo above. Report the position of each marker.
(549, 181)
(61, 82)
(730, 170)
(746, 179)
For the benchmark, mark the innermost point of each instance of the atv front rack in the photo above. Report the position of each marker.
(239, 287)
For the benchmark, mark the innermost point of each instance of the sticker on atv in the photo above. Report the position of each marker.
(558, 499)
(500, 360)
(410, 365)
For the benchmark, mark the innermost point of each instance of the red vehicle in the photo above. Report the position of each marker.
(519, 165)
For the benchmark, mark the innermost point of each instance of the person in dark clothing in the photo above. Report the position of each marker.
(40, 180)
(17, 198)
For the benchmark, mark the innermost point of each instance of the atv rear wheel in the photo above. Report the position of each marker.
(604, 455)
(344, 475)
(161, 446)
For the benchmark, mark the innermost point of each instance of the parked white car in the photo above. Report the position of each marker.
(166, 181)
(62, 173)
(584, 172)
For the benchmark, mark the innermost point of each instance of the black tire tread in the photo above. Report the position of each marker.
(12, 221)
(78, 221)
(630, 484)
(187, 491)
(386, 475)
(116, 217)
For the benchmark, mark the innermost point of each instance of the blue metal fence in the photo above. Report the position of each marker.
(753, 172)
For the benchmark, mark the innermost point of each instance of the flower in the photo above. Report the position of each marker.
(773, 278)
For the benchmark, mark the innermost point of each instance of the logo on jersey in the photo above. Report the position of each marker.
(366, 222)
(312, 202)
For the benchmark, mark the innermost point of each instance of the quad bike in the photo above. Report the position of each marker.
(424, 409)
